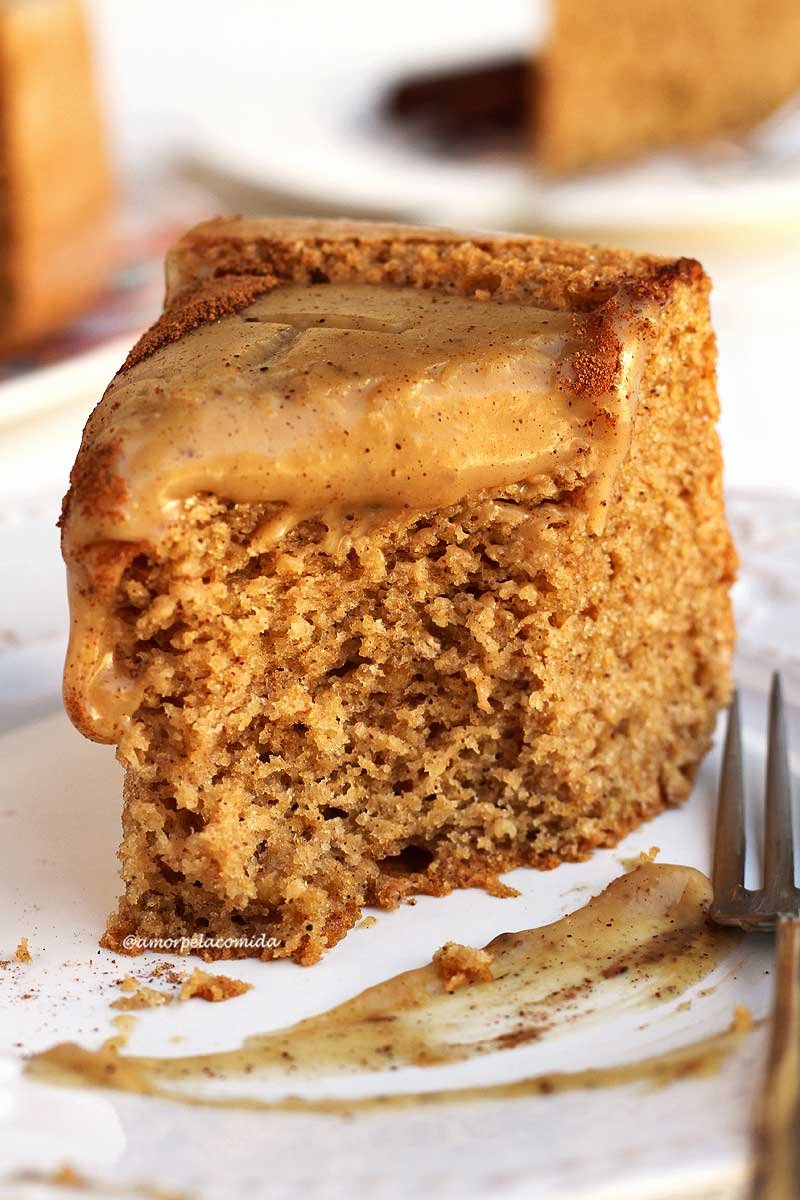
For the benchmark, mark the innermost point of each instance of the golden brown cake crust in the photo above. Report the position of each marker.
(617, 78)
(221, 265)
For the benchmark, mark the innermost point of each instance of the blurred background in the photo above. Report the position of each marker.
(125, 123)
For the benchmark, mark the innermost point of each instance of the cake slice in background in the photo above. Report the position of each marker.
(613, 79)
(618, 77)
(397, 558)
(55, 252)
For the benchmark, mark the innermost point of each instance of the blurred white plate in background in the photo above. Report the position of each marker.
(316, 133)
(88, 373)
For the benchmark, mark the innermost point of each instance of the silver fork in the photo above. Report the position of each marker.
(776, 905)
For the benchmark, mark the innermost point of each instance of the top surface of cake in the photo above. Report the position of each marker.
(347, 369)
(383, 377)
(333, 396)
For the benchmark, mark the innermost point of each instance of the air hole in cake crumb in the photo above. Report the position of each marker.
(488, 283)
(615, 565)
(402, 786)
(189, 822)
(169, 874)
(346, 668)
(542, 583)
(317, 276)
(283, 779)
(412, 860)
(330, 812)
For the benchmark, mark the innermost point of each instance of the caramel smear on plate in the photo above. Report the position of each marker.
(644, 940)
(70, 1179)
(139, 997)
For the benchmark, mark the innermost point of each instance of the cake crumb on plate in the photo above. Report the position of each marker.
(742, 1021)
(202, 986)
(142, 997)
(460, 965)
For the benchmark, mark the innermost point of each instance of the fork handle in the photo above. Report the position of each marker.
(777, 1165)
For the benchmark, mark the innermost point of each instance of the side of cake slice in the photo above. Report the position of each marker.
(618, 77)
(397, 559)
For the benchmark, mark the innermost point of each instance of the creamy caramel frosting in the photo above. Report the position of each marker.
(337, 399)
(331, 397)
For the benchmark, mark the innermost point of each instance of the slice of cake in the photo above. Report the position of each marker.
(55, 252)
(397, 558)
(617, 77)
(613, 79)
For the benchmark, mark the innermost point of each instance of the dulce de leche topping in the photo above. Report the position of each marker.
(334, 397)
(342, 398)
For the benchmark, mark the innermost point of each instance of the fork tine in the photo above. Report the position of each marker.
(729, 842)
(778, 824)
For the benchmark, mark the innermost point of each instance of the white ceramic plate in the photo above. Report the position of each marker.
(85, 374)
(315, 134)
(59, 813)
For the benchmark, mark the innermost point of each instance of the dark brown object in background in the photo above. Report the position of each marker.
(467, 102)
(56, 189)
